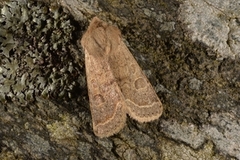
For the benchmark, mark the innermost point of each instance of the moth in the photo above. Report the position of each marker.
(116, 84)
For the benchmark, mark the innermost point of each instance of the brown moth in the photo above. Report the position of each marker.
(116, 84)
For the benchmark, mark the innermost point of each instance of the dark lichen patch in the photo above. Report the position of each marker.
(136, 145)
(37, 56)
(217, 83)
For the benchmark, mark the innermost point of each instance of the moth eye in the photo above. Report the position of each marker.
(140, 83)
(98, 99)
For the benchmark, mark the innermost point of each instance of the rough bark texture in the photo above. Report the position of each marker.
(188, 50)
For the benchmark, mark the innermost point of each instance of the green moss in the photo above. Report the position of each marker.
(36, 39)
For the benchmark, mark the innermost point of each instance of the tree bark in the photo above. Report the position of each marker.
(188, 50)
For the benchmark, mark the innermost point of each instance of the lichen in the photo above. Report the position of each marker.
(36, 55)
(64, 131)
(173, 151)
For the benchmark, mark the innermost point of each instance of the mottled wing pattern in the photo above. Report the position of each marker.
(142, 102)
(107, 103)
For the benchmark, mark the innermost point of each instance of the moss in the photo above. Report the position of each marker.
(36, 44)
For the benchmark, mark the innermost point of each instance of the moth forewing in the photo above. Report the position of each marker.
(116, 83)
(106, 100)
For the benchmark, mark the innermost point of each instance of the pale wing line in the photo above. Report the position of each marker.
(144, 106)
(144, 119)
(141, 73)
(110, 119)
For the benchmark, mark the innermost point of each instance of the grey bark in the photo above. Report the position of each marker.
(189, 50)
